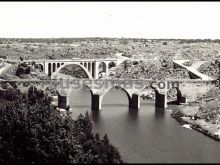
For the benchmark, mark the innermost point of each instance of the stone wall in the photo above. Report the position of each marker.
(194, 89)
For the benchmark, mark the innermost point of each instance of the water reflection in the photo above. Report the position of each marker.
(132, 114)
(159, 113)
(95, 115)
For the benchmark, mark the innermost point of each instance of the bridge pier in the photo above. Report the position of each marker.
(134, 102)
(90, 67)
(45, 68)
(96, 102)
(182, 99)
(160, 100)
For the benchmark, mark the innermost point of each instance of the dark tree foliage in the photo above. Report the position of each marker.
(22, 69)
(35, 132)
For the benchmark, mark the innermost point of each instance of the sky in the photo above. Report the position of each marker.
(173, 20)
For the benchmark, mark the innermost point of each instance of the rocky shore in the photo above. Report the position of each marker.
(188, 115)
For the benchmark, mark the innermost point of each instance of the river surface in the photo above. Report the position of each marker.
(148, 135)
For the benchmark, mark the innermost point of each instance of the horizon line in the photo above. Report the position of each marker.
(109, 38)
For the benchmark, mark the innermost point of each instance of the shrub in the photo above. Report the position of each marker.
(23, 68)
(188, 63)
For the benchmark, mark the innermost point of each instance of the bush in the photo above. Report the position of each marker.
(22, 69)
(74, 71)
(164, 43)
(188, 63)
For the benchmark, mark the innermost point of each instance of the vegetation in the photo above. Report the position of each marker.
(22, 69)
(33, 131)
(188, 63)
(74, 71)
(63, 48)
(149, 70)
(211, 69)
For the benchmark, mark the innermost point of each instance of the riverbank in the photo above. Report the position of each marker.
(189, 115)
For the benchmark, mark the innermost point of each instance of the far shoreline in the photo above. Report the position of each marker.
(200, 125)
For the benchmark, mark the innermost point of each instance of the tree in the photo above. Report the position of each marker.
(37, 133)
(22, 69)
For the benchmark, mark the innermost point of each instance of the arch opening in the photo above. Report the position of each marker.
(93, 69)
(39, 67)
(174, 96)
(73, 70)
(54, 67)
(111, 65)
(49, 69)
(102, 69)
(116, 92)
(80, 98)
(148, 94)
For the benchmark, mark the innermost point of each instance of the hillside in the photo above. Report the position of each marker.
(138, 69)
(108, 47)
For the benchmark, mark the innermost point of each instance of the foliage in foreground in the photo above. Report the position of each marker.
(36, 133)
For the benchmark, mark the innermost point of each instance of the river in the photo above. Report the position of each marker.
(148, 135)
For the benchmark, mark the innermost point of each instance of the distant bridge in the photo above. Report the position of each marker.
(90, 66)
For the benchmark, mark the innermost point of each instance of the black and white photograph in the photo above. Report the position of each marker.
(109, 82)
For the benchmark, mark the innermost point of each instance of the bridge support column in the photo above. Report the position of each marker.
(182, 99)
(160, 100)
(96, 102)
(63, 101)
(96, 70)
(134, 102)
(45, 68)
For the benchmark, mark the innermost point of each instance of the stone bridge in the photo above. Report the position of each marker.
(187, 91)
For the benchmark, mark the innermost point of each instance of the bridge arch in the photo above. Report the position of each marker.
(80, 66)
(129, 96)
(133, 98)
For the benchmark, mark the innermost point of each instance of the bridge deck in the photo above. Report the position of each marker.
(193, 69)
